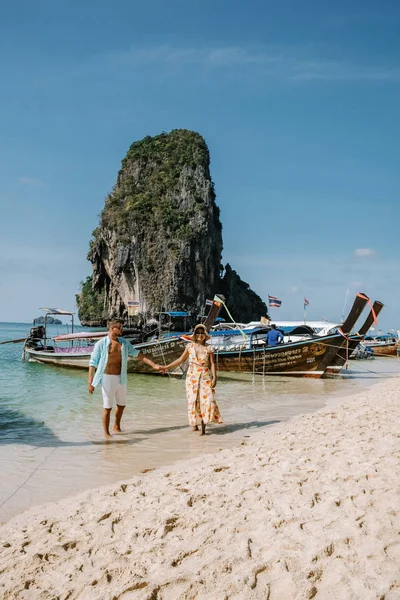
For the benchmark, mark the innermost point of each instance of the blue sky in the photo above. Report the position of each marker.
(299, 105)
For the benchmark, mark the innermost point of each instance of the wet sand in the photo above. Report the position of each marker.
(55, 448)
(308, 508)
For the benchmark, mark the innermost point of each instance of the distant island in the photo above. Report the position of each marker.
(49, 321)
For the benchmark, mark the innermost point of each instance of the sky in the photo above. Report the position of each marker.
(297, 101)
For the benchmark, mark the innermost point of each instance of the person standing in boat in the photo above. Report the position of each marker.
(201, 379)
(108, 367)
(274, 337)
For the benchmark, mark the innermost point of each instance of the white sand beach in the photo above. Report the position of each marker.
(307, 509)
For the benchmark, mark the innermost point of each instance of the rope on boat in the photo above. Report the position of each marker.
(264, 363)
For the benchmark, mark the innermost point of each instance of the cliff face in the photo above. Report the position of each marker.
(159, 240)
(244, 304)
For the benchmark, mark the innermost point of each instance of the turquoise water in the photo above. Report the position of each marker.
(51, 441)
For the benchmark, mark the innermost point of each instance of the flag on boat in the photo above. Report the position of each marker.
(306, 302)
(209, 302)
(274, 301)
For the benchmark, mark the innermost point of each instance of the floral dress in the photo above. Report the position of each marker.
(200, 394)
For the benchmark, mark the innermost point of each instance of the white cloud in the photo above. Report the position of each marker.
(363, 252)
(32, 181)
(290, 63)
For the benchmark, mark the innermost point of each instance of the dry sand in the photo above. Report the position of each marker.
(309, 509)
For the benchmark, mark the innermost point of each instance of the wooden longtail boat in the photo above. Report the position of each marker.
(352, 342)
(307, 358)
(160, 351)
(80, 345)
(383, 345)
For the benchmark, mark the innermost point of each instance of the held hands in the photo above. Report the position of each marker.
(160, 368)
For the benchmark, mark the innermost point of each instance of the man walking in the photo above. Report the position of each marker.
(108, 366)
(274, 337)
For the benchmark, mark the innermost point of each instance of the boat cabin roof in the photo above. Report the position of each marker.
(297, 330)
(229, 332)
(81, 335)
(175, 313)
(56, 311)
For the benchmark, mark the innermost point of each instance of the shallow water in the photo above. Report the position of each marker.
(51, 442)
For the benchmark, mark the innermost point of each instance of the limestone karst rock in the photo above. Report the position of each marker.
(159, 239)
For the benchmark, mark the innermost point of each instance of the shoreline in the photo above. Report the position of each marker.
(309, 510)
(72, 462)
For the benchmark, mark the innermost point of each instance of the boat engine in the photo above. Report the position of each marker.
(36, 335)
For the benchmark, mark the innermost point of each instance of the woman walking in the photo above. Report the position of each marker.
(200, 383)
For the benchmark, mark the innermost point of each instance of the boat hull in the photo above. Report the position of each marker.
(343, 354)
(384, 350)
(76, 360)
(161, 352)
(309, 358)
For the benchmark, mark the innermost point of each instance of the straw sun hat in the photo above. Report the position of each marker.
(196, 329)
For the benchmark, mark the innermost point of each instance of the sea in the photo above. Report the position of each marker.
(51, 440)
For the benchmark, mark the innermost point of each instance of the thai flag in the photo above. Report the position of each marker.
(306, 302)
(274, 301)
(209, 302)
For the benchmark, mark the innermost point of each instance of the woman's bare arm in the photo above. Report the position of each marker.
(213, 370)
(177, 362)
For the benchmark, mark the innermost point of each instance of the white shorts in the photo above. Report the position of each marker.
(113, 390)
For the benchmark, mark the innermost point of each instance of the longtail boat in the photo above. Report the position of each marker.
(306, 358)
(383, 345)
(159, 351)
(352, 341)
(73, 350)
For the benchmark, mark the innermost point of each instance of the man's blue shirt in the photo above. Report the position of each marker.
(274, 337)
(99, 358)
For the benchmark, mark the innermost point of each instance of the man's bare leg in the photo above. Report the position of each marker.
(203, 428)
(118, 416)
(106, 422)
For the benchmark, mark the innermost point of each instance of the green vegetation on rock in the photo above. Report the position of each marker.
(152, 170)
(159, 238)
(90, 302)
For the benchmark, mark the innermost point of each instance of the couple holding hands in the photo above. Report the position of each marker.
(108, 367)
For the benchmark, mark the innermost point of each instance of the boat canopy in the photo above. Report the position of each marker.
(230, 332)
(177, 313)
(56, 311)
(315, 325)
(297, 330)
(81, 335)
